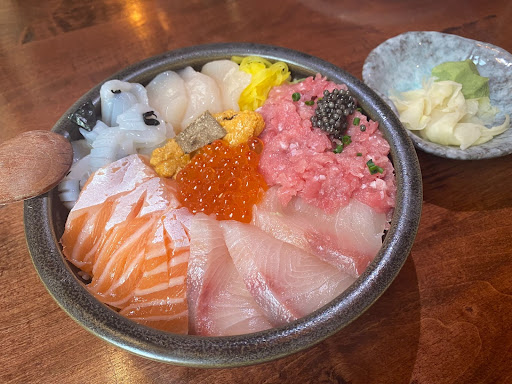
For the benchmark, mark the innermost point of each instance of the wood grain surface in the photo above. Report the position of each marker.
(447, 316)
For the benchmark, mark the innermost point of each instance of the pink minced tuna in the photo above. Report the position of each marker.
(300, 160)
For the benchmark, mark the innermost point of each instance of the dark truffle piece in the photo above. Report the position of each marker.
(201, 132)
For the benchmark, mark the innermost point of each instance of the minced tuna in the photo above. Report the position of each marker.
(300, 160)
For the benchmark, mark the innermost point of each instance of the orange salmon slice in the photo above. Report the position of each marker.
(128, 232)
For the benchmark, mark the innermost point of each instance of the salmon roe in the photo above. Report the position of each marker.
(223, 180)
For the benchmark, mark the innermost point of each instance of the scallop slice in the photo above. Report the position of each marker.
(119, 96)
(204, 95)
(168, 94)
(230, 79)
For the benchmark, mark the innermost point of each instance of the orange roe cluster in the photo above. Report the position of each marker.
(223, 180)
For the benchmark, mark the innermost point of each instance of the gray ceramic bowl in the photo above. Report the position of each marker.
(45, 218)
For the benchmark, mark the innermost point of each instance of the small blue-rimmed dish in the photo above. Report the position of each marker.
(402, 62)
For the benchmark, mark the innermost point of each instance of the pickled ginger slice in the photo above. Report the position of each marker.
(219, 302)
(230, 79)
(168, 94)
(203, 93)
(439, 113)
(284, 280)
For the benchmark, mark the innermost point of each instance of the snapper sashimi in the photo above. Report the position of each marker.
(348, 239)
(232, 236)
(285, 281)
(219, 302)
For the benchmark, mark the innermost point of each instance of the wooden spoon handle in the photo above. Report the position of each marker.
(32, 163)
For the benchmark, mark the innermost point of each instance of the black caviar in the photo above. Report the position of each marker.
(332, 111)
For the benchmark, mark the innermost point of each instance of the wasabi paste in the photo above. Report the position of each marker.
(465, 72)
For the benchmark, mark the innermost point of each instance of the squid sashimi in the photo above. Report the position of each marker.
(168, 94)
(230, 79)
(160, 298)
(219, 302)
(137, 133)
(117, 97)
(204, 95)
(284, 280)
(349, 239)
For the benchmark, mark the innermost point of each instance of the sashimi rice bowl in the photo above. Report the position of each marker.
(228, 204)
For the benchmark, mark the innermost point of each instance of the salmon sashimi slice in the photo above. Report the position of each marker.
(119, 258)
(219, 302)
(349, 239)
(128, 232)
(286, 281)
(112, 195)
(160, 297)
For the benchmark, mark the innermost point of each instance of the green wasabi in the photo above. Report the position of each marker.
(464, 72)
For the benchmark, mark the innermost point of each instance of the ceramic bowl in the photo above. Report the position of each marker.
(45, 218)
(404, 61)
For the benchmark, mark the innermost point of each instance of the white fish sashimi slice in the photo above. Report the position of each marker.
(219, 302)
(168, 94)
(119, 96)
(348, 239)
(355, 228)
(284, 280)
(230, 79)
(360, 228)
(204, 95)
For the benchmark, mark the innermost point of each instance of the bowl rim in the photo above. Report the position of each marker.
(241, 350)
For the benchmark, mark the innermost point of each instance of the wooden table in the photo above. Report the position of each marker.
(447, 316)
